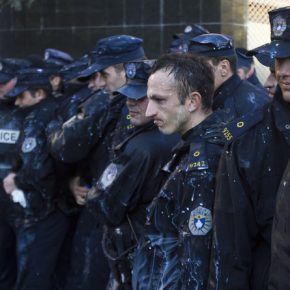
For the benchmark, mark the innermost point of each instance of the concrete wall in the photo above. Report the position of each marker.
(75, 25)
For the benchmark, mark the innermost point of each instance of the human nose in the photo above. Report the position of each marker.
(150, 111)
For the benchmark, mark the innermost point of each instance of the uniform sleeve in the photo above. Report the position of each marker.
(120, 186)
(36, 176)
(76, 137)
(234, 227)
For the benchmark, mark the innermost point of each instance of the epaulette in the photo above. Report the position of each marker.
(197, 159)
(126, 119)
(240, 125)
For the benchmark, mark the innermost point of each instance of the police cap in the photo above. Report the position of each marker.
(279, 47)
(243, 59)
(212, 45)
(265, 54)
(73, 70)
(6, 72)
(179, 42)
(31, 78)
(57, 57)
(137, 74)
(114, 50)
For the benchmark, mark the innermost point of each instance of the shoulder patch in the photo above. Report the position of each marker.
(197, 157)
(200, 221)
(28, 145)
(240, 125)
(108, 176)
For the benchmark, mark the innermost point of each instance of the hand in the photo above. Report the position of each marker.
(79, 192)
(9, 183)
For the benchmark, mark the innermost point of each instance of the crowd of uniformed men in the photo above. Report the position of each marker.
(122, 172)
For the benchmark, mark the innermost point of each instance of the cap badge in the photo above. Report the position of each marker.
(279, 25)
(1, 66)
(131, 70)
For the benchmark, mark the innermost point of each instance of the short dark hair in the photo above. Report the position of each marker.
(45, 90)
(191, 73)
(231, 59)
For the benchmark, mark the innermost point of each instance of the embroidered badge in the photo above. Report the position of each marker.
(279, 25)
(109, 176)
(131, 70)
(28, 145)
(200, 221)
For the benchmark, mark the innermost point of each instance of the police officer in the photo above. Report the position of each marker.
(246, 67)
(280, 231)
(250, 172)
(55, 59)
(175, 251)
(10, 126)
(265, 56)
(86, 138)
(39, 228)
(180, 41)
(132, 178)
(235, 96)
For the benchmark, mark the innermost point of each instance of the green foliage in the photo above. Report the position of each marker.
(16, 4)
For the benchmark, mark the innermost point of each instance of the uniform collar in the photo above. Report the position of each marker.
(225, 91)
(199, 131)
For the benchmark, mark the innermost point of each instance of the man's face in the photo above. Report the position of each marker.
(137, 110)
(96, 82)
(114, 79)
(282, 69)
(270, 84)
(26, 99)
(164, 105)
(7, 87)
(241, 73)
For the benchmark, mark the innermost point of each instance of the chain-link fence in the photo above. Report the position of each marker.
(259, 27)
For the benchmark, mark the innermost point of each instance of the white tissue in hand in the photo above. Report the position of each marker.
(18, 196)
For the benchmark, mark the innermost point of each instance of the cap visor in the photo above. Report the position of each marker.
(134, 91)
(91, 70)
(17, 91)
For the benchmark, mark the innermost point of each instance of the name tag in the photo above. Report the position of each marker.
(9, 136)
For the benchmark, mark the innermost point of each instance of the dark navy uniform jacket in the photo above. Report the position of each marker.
(249, 176)
(280, 251)
(36, 175)
(11, 119)
(82, 132)
(132, 178)
(238, 97)
(180, 217)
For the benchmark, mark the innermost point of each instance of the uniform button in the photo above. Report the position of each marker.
(287, 126)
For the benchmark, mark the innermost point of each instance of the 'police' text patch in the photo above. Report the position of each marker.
(9, 136)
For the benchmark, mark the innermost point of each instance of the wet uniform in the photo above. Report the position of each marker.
(38, 226)
(238, 97)
(280, 254)
(175, 251)
(86, 139)
(10, 127)
(125, 189)
(250, 172)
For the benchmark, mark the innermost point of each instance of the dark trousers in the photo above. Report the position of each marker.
(37, 248)
(7, 256)
(89, 268)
